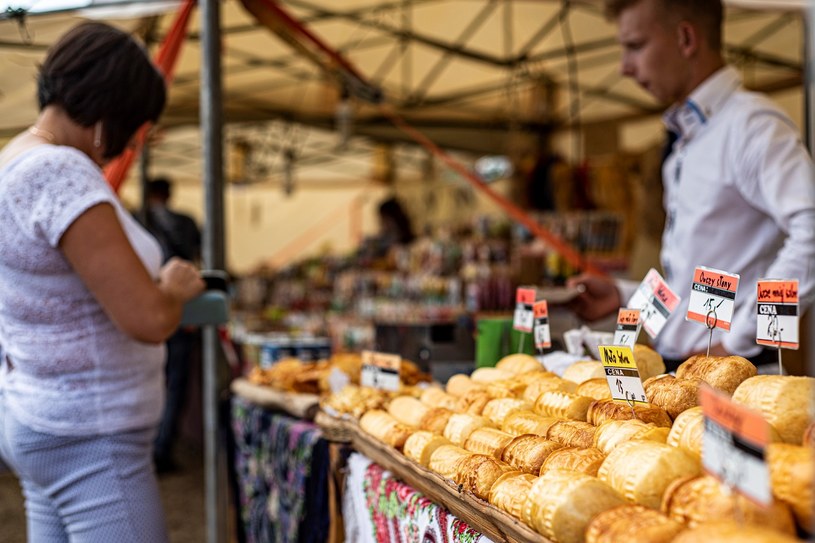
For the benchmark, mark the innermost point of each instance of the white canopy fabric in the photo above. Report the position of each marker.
(475, 75)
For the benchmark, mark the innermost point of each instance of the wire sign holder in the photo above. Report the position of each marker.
(712, 300)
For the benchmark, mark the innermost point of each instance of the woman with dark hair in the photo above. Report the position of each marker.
(395, 226)
(85, 304)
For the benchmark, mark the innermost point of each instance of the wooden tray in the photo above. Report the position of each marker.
(302, 406)
(482, 516)
(335, 429)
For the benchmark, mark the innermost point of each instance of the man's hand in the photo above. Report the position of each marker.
(599, 299)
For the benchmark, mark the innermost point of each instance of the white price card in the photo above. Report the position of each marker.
(777, 313)
(713, 297)
(628, 327)
(733, 446)
(524, 301)
(543, 338)
(622, 374)
(380, 370)
(656, 301)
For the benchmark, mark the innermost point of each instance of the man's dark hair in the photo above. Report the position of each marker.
(160, 186)
(708, 14)
(96, 72)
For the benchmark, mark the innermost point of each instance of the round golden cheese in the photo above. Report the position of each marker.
(722, 372)
(509, 492)
(584, 370)
(786, 401)
(385, 428)
(792, 472)
(420, 446)
(461, 385)
(671, 394)
(587, 461)
(632, 523)
(572, 433)
(548, 383)
(497, 410)
(436, 397)
(519, 363)
(596, 389)
(473, 403)
(527, 422)
(613, 432)
(435, 420)
(477, 473)
(563, 405)
(445, 459)
(641, 470)
(408, 410)
(603, 410)
(528, 452)
(461, 425)
(649, 362)
(561, 504)
(487, 441)
(488, 375)
(687, 432)
(697, 500)
(732, 532)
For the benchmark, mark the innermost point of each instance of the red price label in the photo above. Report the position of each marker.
(524, 320)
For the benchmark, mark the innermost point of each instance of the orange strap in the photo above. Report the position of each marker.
(166, 57)
(270, 14)
(564, 249)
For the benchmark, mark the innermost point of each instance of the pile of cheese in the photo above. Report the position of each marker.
(559, 454)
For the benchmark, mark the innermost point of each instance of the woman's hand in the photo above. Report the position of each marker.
(180, 280)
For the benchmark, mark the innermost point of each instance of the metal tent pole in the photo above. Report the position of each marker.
(213, 257)
(809, 123)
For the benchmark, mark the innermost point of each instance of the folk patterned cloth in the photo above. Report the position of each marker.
(379, 508)
(281, 469)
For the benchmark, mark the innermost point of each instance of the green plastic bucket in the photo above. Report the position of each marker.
(495, 338)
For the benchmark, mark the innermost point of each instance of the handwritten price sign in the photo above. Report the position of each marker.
(713, 297)
(628, 327)
(543, 338)
(777, 313)
(622, 374)
(524, 301)
(380, 370)
(733, 446)
(656, 301)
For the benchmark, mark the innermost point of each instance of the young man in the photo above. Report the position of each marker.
(739, 184)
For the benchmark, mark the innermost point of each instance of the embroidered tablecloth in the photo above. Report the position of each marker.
(378, 508)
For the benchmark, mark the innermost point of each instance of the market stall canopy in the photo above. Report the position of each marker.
(468, 73)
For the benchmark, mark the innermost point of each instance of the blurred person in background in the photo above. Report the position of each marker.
(85, 302)
(179, 237)
(739, 183)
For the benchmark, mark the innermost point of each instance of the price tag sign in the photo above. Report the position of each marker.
(524, 317)
(656, 301)
(380, 370)
(628, 328)
(777, 313)
(543, 339)
(733, 446)
(713, 297)
(622, 374)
